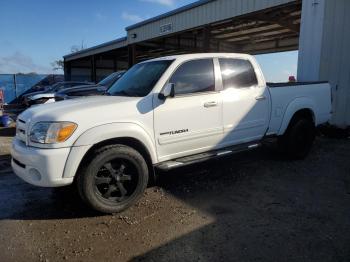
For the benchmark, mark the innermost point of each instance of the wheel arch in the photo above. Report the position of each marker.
(127, 141)
(126, 134)
(300, 107)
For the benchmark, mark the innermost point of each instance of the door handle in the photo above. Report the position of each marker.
(260, 98)
(210, 104)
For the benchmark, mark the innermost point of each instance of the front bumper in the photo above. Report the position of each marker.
(40, 167)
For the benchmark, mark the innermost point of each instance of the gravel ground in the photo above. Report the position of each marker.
(255, 206)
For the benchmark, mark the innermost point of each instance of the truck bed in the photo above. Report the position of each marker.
(311, 95)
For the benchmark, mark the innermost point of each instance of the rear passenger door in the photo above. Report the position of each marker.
(246, 105)
(191, 121)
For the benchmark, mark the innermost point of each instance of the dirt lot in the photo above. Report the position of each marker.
(255, 206)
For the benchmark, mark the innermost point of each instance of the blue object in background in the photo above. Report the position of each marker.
(23, 83)
(5, 120)
(7, 84)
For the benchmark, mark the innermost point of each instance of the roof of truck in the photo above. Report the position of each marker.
(201, 55)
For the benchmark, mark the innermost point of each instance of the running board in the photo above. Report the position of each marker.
(189, 160)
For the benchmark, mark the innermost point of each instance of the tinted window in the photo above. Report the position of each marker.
(140, 79)
(55, 86)
(237, 73)
(194, 76)
(109, 80)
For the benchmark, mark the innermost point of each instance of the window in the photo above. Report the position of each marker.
(140, 79)
(111, 79)
(194, 76)
(237, 73)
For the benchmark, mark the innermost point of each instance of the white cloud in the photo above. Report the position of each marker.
(100, 17)
(131, 17)
(20, 63)
(170, 3)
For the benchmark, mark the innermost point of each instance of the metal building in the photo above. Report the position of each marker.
(319, 29)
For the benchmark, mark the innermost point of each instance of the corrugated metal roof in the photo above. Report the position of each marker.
(173, 12)
(111, 44)
(117, 43)
(190, 16)
(204, 13)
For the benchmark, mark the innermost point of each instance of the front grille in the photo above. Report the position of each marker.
(18, 163)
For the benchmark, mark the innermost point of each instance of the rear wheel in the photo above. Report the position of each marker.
(113, 179)
(299, 137)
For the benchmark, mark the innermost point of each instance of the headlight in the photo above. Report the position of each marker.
(51, 132)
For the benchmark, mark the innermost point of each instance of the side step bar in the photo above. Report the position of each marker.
(189, 160)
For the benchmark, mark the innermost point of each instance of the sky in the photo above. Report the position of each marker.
(34, 33)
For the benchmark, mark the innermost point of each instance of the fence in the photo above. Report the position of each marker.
(13, 85)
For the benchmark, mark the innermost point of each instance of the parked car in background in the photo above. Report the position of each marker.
(44, 84)
(90, 90)
(48, 95)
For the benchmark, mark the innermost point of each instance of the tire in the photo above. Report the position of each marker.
(113, 179)
(298, 139)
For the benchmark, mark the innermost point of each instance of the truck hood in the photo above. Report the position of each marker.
(88, 111)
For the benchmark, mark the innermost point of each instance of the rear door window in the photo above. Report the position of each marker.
(237, 73)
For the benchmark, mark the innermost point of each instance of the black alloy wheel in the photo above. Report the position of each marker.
(116, 180)
(113, 178)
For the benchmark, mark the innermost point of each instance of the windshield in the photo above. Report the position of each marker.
(55, 87)
(140, 79)
(110, 79)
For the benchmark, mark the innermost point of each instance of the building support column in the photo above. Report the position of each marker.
(67, 71)
(93, 69)
(324, 51)
(131, 55)
(115, 66)
(310, 40)
(206, 39)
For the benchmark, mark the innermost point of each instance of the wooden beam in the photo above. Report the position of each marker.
(242, 27)
(278, 19)
(249, 34)
(265, 39)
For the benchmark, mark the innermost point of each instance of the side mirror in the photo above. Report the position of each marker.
(168, 91)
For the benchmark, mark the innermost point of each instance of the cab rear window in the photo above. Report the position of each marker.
(237, 73)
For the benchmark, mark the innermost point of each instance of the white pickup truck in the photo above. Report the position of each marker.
(163, 113)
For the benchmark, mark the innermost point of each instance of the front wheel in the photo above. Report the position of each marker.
(298, 139)
(113, 179)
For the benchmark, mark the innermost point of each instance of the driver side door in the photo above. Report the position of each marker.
(191, 121)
